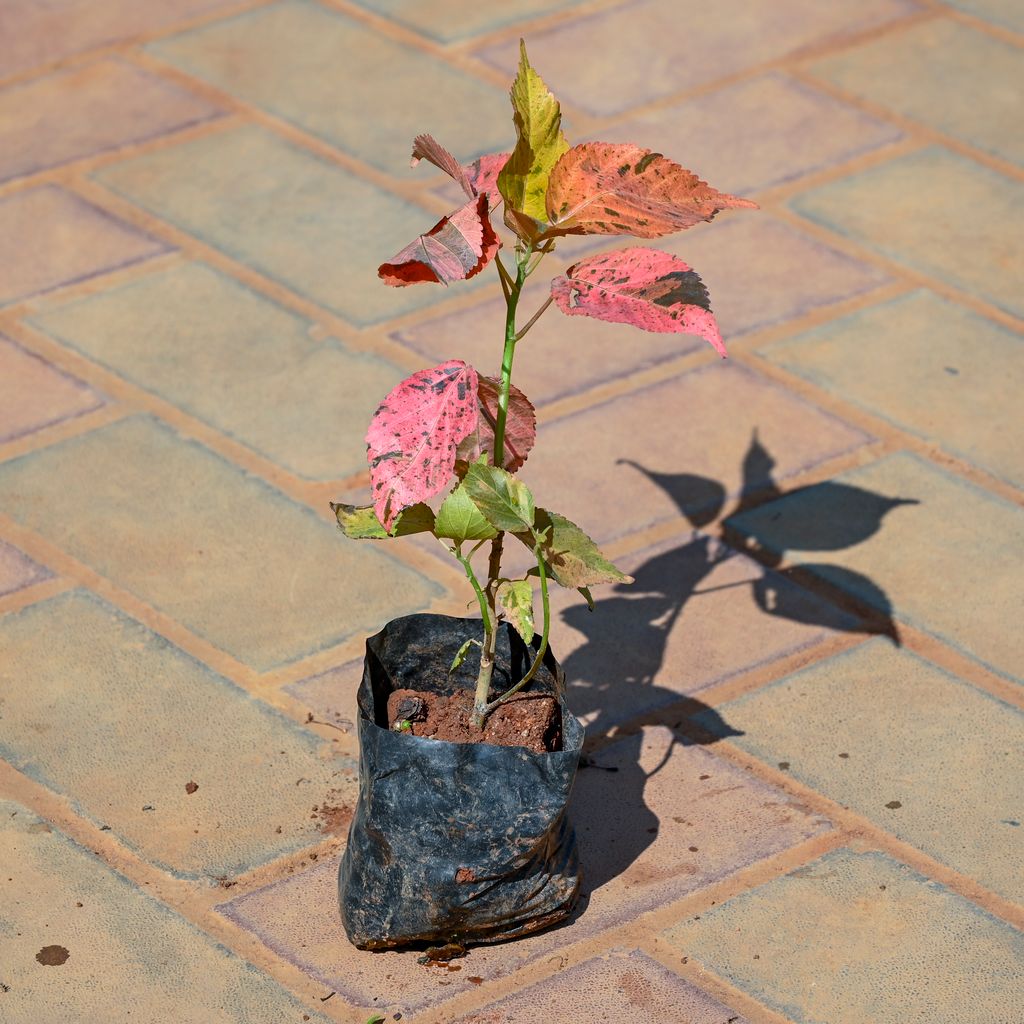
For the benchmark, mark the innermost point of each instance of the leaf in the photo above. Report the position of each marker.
(520, 425)
(459, 519)
(361, 522)
(516, 598)
(483, 175)
(601, 188)
(505, 502)
(647, 288)
(426, 147)
(460, 656)
(415, 433)
(523, 181)
(454, 249)
(573, 559)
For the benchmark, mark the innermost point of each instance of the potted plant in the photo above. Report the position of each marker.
(467, 749)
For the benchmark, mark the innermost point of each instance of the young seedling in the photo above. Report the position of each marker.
(449, 429)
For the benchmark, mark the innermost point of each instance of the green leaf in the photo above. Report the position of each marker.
(523, 181)
(505, 502)
(360, 522)
(573, 559)
(459, 519)
(460, 654)
(517, 600)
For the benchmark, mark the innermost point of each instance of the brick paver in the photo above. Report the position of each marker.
(784, 818)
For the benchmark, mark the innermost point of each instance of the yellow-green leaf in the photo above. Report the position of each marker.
(459, 519)
(361, 522)
(516, 598)
(506, 503)
(523, 181)
(572, 558)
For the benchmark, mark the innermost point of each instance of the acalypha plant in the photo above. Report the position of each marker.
(450, 425)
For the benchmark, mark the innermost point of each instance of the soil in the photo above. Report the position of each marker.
(531, 720)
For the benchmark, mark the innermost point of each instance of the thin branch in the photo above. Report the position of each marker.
(536, 316)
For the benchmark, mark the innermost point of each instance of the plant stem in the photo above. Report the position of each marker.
(477, 589)
(536, 316)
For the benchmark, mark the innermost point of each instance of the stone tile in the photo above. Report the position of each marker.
(926, 365)
(50, 237)
(222, 552)
(450, 21)
(244, 756)
(372, 104)
(952, 539)
(721, 425)
(289, 214)
(746, 294)
(860, 937)
(34, 394)
(1007, 13)
(644, 52)
(331, 695)
(619, 986)
(126, 953)
(876, 725)
(17, 570)
(725, 137)
(636, 827)
(936, 212)
(33, 33)
(950, 77)
(696, 614)
(86, 110)
(301, 403)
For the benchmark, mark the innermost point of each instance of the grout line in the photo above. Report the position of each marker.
(74, 426)
(34, 593)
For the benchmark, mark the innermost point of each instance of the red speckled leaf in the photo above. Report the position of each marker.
(601, 188)
(483, 175)
(415, 433)
(647, 288)
(426, 147)
(455, 248)
(520, 426)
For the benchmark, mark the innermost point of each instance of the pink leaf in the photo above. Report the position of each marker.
(600, 188)
(455, 248)
(483, 175)
(415, 433)
(426, 147)
(520, 426)
(647, 288)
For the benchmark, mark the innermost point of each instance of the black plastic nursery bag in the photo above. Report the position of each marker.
(455, 842)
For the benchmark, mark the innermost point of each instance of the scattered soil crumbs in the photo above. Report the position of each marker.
(333, 816)
(191, 787)
(527, 720)
(52, 956)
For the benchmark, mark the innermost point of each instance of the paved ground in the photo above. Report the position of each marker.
(811, 694)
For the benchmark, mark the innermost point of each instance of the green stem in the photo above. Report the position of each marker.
(536, 316)
(477, 589)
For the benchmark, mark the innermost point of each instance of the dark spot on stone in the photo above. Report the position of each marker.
(784, 765)
(148, 807)
(952, 371)
(474, 979)
(191, 787)
(893, 805)
(705, 777)
(693, 849)
(882, 887)
(1011, 822)
(844, 755)
(52, 956)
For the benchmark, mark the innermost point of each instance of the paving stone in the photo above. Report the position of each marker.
(450, 21)
(860, 937)
(620, 986)
(86, 110)
(293, 216)
(634, 859)
(724, 427)
(726, 138)
(696, 614)
(35, 394)
(222, 552)
(926, 365)
(126, 954)
(948, 563)
(50, 237)
(301, 403)
(244, 756)
(372, 104)
(639, 52)
(950, 77)
(873, 729)
(17, 570)
(33, 33)
(331, 695)
(925, 210)
(1007, 13)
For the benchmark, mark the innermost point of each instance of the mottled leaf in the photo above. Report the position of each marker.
(415, 433)
(360, 522)
(572, 558)
(505, 502)
(483, 175)
(460, 657)
(601, 188)
(516, 599)
(459, 519)
(520, 426)
(523, 181)
(426, 147)
(454, 249)
(649, 289)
